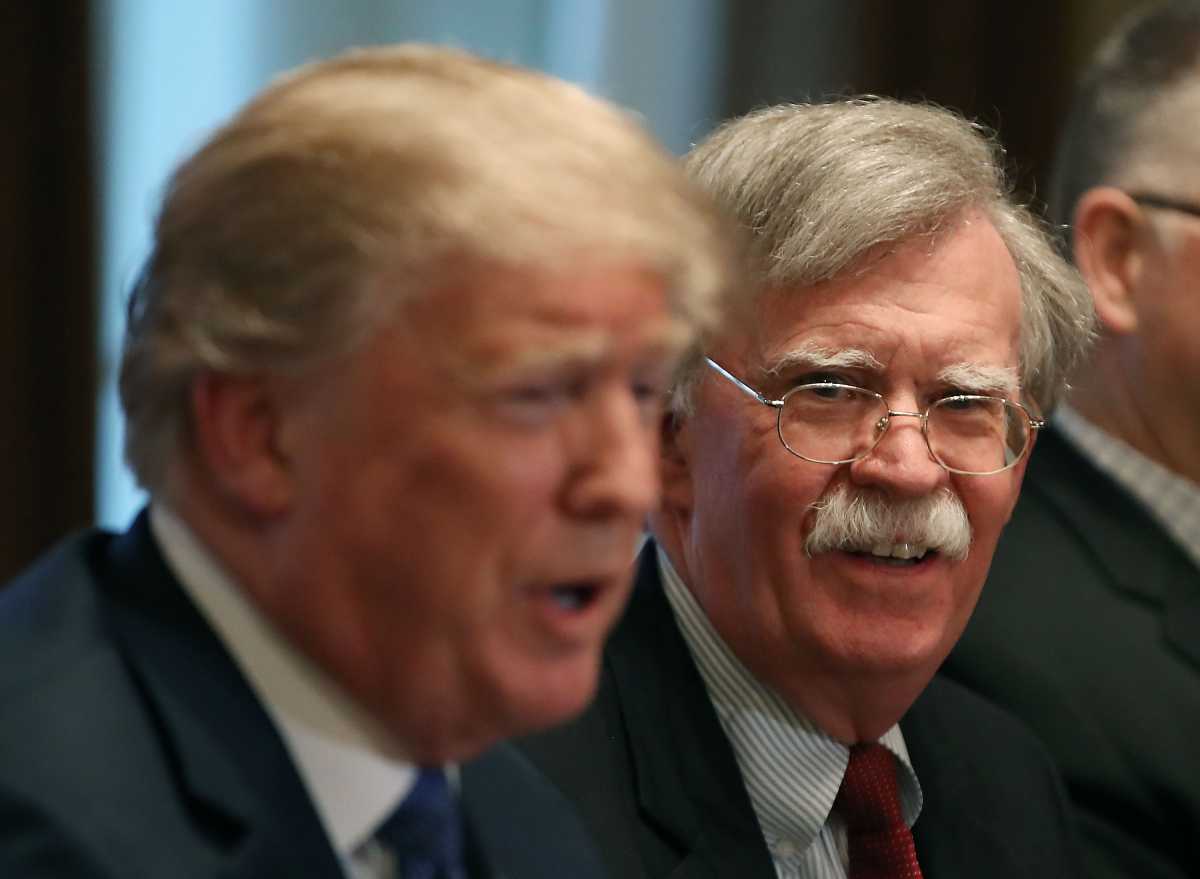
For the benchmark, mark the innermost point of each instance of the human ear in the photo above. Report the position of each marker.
(1108, 249)
(236, 421)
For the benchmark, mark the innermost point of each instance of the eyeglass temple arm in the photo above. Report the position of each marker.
(1160, 201)
(766, 401)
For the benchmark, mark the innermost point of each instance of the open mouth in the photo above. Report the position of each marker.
(896, 554)
(575, 597)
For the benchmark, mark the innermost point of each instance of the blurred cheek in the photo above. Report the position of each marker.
(506, 525)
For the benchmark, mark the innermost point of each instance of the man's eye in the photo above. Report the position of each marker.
(532, 403)
(533, 395)
(824, 378)
(959, 403)
(651, 398)
(833, 392)
(653, 384)
(645, 390)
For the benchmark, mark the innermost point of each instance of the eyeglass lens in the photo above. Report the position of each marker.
(838, 423)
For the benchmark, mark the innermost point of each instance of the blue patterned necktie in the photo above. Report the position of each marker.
(424, 833)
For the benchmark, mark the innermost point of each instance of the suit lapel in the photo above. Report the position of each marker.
(519, 826)
(231, 760)
(1142, 559)
(687, 780)
(1181, 625)
(951, 841)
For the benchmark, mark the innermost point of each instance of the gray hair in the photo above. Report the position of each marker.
(294, 232)
(818, 186)
(1126, 125)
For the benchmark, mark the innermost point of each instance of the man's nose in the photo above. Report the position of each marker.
(901, 462)
(616, 458)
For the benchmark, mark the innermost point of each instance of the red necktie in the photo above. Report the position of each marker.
(881, 845)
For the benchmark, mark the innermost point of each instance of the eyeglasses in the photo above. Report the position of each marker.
(831, 423)
(1167, 204)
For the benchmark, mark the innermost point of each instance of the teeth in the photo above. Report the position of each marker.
(573, 597)
(899, 550)
(568, 599)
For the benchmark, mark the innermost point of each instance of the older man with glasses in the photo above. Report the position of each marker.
(838, 465)
(1100, 568)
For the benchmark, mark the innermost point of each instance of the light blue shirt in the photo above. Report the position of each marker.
(791, 769)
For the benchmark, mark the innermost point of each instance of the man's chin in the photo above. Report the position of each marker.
(556, 696)
(536, 702)
(892, 654)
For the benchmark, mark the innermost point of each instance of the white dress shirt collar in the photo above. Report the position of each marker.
(351, 768)
(1171, 498)
(792, 770)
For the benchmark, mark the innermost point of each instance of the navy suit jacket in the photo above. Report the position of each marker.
(131, 745)
(656, 780)
(1089, 629)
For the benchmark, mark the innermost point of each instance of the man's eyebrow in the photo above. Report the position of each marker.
(981, 377)
(814, 356)
(666, 340)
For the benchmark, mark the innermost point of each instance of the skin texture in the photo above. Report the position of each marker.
(848, 642)
(409, 511)
(1142, 265)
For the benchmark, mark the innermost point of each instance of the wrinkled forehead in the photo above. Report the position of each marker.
(512, 321)
(929, 307)
(981, 374)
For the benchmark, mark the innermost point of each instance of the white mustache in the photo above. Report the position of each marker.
(860, 520)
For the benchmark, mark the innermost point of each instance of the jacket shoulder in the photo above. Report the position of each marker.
(79, 750)
(50, 614)
(993, 800)
(523, 823)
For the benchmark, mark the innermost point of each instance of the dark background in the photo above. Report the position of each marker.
(1007, 63)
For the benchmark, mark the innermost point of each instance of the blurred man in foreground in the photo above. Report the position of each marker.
(1100, 570)
(393, 378)
(837, 471)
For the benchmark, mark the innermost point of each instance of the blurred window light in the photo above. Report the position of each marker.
(171, 72)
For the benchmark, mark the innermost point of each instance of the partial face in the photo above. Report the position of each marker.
(1165, 376)
(471, 487)
(926, 321)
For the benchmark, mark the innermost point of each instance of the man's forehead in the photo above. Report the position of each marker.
(510, 318)
(982, 371)
(533, 347)
(665, 337)
(813, 353)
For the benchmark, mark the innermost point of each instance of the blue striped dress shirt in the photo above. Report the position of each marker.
(792, 770)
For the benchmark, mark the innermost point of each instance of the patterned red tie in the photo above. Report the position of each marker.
(881, 845)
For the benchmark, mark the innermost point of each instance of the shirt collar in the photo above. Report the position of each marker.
(1172, 499)
(792, 770)
(348, 763)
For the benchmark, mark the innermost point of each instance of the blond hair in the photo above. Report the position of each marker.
(410, 162)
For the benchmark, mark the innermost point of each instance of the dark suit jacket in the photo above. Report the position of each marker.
(131, 746)
(655, 778)
(1089, 629)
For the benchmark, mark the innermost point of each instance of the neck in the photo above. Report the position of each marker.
(1155, 420)
(852, 710)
